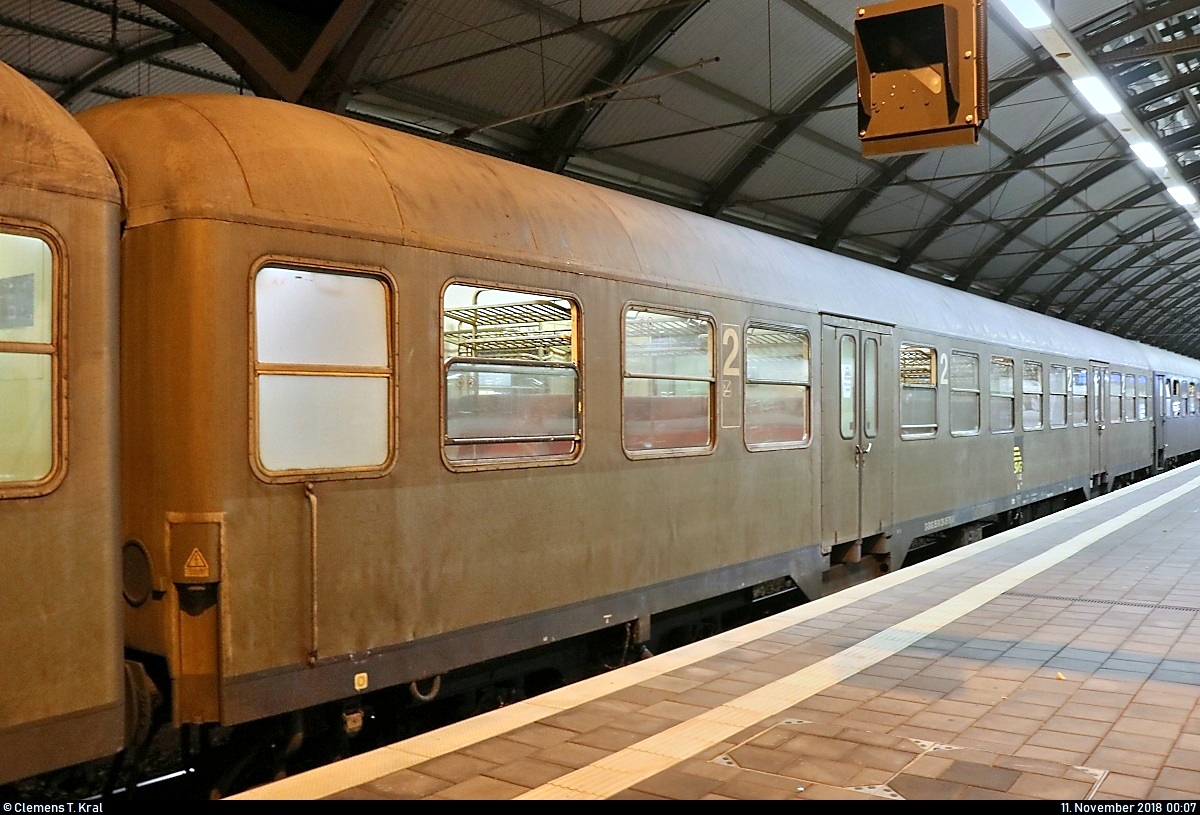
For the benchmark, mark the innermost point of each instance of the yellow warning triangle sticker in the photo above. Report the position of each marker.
(195, 565)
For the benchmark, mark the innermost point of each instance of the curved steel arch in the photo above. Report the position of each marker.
(561, 138)
(1018, 281)
(1106, 276)
(998, 177)
(1046, 301)
(1134, 321)
(1098, 256)
(265, 73)
(1105, 322)
(833, 231)
(333, 86)
(780, 132)
(1177, 324)
(1095, 314)
(1168, 298)
(832, 234)
(969, 273)
(120, 59)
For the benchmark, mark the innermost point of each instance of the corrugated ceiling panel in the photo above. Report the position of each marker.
(145, 80)
(693, 157)
(533, 76)
(809, 172)
(838, 123)
(897, 215)
(803, 165)
(1076, 13)
(767, 71)
(680, 107)
(964, 241)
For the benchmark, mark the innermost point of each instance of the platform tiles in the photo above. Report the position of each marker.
(1059, 660)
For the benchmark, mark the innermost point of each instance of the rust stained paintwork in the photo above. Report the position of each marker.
(61, 672)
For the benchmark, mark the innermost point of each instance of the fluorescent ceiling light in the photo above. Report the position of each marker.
(1096, 92)
(1182, 194)
(1197, 220)
(1149, 154)
(1029, 13)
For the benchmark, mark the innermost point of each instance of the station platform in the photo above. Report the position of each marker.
(1056, 661)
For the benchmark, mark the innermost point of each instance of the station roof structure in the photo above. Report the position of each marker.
(745, 110)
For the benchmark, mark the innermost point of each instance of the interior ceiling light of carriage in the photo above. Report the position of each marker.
(1057, 39)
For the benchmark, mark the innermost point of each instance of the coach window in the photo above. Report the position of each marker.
(1191, 397)
(323, 371)
(848, 387)
(1143, 399)
(777, 388)
(918, 391)
(1058, 396)
(1031, 401)
(511, 361)
(1002, 399)
(28, 361)
(964, 393)
(870, 381)
(1115, 387)
(1129, 405)
(667, 390)
(1079, 396)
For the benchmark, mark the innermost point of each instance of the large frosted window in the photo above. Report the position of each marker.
(667, 398)
(777, 383)
(28, 348)
(918, 391)
(323, 371)
(512, 375)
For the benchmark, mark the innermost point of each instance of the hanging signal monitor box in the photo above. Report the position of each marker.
(922, 74)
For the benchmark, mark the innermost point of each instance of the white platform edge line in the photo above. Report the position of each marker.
(663, 750)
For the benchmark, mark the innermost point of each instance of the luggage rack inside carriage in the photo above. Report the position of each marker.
(535, 330)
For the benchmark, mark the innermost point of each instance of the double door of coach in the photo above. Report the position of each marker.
(858, 401)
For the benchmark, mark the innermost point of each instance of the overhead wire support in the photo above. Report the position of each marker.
(586, 99)
(582, 25)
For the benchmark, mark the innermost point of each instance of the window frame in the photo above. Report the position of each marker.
(1012, 399)
(444, 363)
(904, 432)
(1115, 416)
(56, 349)
(304, 264)
(978, 391)
(759, 447)
(1065, 394)
(713, 436)
(1072, 395)
(1041, 395)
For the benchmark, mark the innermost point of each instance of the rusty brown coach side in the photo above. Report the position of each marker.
(60, 633)
(342, 482)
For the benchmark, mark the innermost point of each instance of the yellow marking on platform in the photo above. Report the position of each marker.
(360, 769)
